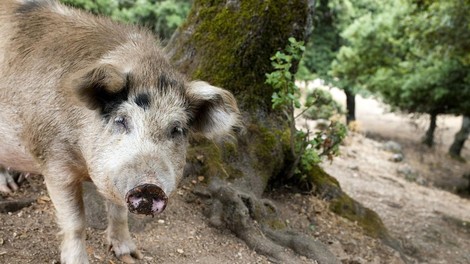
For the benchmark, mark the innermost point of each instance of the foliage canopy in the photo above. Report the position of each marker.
(162, 16)
(415, 54)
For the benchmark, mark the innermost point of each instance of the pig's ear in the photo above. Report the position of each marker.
(101, 87)
(214, 111)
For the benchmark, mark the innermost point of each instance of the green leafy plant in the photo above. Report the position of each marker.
(286, 93)
(306, 149)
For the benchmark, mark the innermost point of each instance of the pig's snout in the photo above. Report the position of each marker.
(148, 199)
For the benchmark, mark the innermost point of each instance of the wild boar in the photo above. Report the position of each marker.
(84, 98)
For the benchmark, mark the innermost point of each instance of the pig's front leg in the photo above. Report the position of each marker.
(119, 238)
(66, 195)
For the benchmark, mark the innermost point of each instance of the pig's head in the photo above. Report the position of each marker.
(144, 115)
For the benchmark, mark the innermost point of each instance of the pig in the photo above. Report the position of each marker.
(84, 98)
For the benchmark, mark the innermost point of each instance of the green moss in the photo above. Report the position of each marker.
(226, 161)
(235, 43)
(350, 209)
(276, 224)
(324, 184)
(263, 146)
(230, 150)
(207, 157)
(340, 203)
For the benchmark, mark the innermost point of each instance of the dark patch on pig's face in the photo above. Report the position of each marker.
(103, 88)
(110, 102)
(142, 100)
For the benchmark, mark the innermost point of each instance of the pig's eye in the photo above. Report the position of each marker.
(177, 131)
(122, 123)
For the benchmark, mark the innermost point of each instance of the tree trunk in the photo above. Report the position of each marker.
(460, 138)
(428, 139)
(229, 44)
(350, 105)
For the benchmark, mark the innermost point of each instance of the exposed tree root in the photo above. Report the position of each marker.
(255, 221)
(16, 205)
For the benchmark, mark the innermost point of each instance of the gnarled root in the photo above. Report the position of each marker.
(255, 221)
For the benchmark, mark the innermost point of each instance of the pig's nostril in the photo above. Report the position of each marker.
(158, 206)
(146, 199)
(135, 201)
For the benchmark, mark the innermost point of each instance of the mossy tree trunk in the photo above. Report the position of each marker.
(229, 44)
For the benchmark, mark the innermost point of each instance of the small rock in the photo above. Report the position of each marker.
(336, 248)
(180, 251)
(397, 157)
(354, 168)
(200, 158)
(422, 181)
(392, 146)
(409, 173)
(358, 260)
(98, 257)
(161, 221)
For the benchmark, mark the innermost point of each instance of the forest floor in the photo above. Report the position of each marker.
(416, 198)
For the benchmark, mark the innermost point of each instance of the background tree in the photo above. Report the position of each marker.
(407, 58)
(330, 19)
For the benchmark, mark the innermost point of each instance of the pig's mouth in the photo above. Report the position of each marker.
(147, 199)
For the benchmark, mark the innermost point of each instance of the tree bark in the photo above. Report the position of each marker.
(428, 139)
(460, 137)
(229, 44)
(350, 105)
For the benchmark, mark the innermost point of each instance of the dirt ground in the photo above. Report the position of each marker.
(415, 198)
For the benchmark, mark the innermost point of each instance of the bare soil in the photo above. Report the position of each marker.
(416, 198)
(421, 209)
